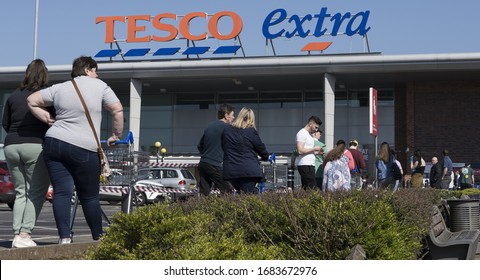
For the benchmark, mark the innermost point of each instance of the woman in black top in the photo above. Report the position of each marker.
(24, 154)
(417, 164)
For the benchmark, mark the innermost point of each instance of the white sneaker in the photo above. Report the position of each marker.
(14, 240)
(64, 241)
(23, 242)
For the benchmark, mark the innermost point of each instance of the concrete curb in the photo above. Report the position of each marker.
(73, 251)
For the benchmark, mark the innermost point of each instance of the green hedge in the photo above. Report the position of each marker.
(301, 226)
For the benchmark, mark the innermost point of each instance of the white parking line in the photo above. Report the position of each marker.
(47, 228)
(56, 237)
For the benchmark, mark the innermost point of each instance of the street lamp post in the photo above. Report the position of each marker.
(163, 153)
(35, 30)
(158, 145)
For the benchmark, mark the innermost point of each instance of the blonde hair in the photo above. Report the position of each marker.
(246, 118)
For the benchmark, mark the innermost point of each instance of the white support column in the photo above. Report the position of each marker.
(135, 111)
(329, 102)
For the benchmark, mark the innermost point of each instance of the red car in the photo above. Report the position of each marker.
(7, 189)
(50, 194)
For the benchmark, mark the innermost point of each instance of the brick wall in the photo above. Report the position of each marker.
(432, 116)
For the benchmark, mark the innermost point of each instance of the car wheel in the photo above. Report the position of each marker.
(140, 198)
(168, 198)
(10, 205)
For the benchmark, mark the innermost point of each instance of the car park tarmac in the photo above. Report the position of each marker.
(45, 232)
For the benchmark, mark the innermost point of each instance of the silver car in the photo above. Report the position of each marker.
(110, 189)
(178, 183)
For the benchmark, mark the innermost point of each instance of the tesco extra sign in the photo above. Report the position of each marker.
(276, 24)
(134, 26)
(294, 24)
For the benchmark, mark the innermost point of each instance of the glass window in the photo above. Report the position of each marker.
(186, 174)
(163, 101)
(385, 97)
(239, 99)
(313, 99)
(154, 174)
(341, 95)
(279, 99)
(363, 98)
(169, 174)
(194, 101)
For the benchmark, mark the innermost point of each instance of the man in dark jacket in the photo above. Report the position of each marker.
(436, 174)
(210, 148)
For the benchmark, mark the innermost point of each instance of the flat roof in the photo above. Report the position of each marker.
(356, 70)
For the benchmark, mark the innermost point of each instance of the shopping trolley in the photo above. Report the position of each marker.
(274, 176)
(127, 166)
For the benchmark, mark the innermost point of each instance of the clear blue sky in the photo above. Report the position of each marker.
(67, 29)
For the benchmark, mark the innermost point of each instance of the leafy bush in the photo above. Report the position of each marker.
(299, 225)
(459, 193)
(164, 232)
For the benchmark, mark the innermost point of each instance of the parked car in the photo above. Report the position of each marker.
(180, 180)
(115, 198)
(118, 178)
(7, 188)
(112, 198)
(49, 196)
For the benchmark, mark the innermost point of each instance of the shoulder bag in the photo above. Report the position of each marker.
(105, 167)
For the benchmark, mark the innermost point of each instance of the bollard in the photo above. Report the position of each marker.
(290, 178)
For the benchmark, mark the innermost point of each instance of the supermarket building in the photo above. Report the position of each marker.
(425, 101)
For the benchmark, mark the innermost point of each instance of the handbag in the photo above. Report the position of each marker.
(105, 170)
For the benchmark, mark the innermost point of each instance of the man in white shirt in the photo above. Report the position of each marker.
(305, 161)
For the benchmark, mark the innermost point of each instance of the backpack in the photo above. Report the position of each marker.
(397, 173)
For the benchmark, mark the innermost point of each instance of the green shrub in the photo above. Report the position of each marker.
(164, 232)
(459, 193)
(299, 225)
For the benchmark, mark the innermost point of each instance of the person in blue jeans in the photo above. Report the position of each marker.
(384, 163)
(447, 167)
(70, 149)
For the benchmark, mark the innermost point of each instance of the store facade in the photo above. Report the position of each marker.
(427, 102)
